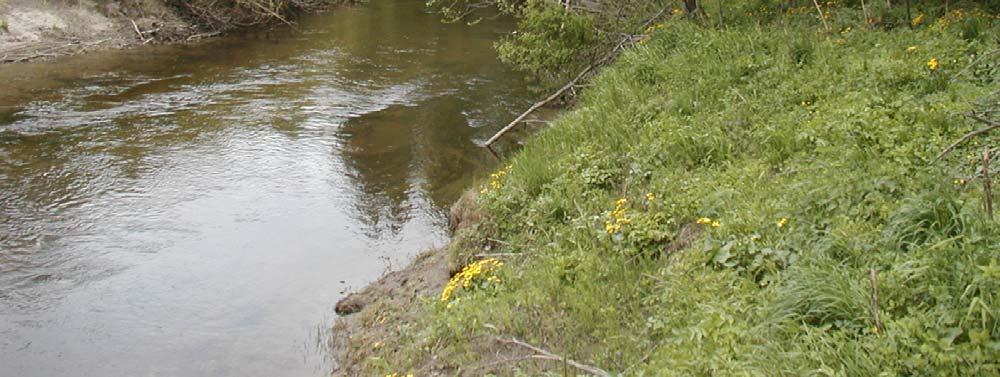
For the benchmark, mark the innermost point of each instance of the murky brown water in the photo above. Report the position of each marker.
(198, 210)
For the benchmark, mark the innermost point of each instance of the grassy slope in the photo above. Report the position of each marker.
(745, 127)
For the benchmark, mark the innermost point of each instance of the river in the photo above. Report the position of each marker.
(197, 210)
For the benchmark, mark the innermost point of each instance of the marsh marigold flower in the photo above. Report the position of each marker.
(933, 64)
(782, 222)
(911, 49)
(618, 218)
(470, 275)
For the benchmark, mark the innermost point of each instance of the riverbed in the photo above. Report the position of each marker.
(197, 210)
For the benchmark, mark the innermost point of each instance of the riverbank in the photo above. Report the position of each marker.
(776, 196)
(33, 30)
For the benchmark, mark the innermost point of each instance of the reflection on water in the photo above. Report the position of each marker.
(197, 210)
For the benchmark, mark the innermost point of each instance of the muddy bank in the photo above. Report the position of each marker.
(33, 30)
(372, 318)
(37, 30)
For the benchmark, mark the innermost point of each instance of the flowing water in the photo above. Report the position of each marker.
(197, 210)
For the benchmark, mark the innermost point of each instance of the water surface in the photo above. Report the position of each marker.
(197, 210)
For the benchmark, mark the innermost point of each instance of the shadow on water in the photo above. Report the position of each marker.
(197, 210)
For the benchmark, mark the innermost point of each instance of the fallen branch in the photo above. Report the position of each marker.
(991, 125)
(202, 35)
(497, 255)
(821, 17)
(542, 354)
(570, 85)
(137, 31)
(539, 105)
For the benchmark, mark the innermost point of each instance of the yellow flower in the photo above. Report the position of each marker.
(716, 224)
(911, 49)
(933, 64)
(782, 222)
(617, 218)
(473, 273)
(918, 20)
(650, 197)
(705, 221)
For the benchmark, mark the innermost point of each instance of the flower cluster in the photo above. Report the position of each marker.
(933, 64)
(959, 14)
(710, 222)
(654, 28)
(782, 222)
(496, 180)
(475, 272)
(617, 218)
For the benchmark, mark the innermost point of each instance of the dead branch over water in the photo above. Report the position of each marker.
(242, 13)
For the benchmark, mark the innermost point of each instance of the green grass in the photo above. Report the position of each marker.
(746, 125)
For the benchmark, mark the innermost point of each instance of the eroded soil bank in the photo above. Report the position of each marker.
(33, 30)
(372, 317)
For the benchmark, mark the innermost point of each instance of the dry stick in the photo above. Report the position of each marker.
(272, 12)
(566, 87)
(497, 255)
(538, 105)
(137, 31)
(864, 10)
(821, 18)
(991, 126)
(543, 354)
(978, 60)
(988, 202)
(874, 279)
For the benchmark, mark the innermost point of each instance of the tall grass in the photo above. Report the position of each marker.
(767, 167)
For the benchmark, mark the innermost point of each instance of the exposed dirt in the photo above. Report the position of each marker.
(384, 306)
(32, 29)
(372, 317)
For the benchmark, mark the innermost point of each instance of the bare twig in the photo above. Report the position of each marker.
(572, 83)
(878, 322)
(991, 125)
(821, 17)
(980, 59)
(864, 12)
(539, 105)
(496, 255)
(137, 31)
(542, 354)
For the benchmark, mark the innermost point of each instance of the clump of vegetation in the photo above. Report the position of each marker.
(762, 198)
(555, 40)
(4, 26)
